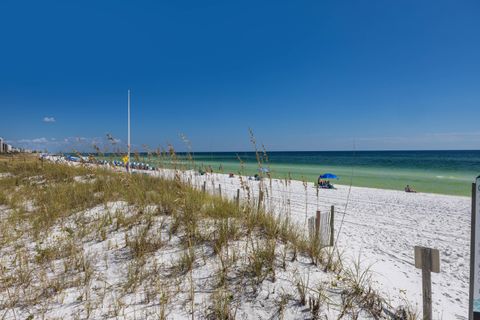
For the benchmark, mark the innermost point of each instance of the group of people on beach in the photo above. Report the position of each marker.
(128, 166)
(203, 171)
(112, 163)
(141, 166)
(324, 184)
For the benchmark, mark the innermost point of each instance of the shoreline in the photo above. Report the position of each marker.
(424, 180)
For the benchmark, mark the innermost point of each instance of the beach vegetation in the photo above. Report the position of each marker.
(111, 241)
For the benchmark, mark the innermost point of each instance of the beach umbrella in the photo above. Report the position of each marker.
(328, 176)
(264, 170)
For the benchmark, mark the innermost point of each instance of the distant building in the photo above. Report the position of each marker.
(8, 148)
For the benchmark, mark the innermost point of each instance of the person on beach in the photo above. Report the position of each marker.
(320, 182)
(410, 189)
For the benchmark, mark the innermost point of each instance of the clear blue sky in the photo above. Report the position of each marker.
(304, 75)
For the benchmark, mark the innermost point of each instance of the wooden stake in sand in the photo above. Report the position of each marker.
(317, 228)
(474, 299)
(260, 198)
(332, 217)
(428, 260)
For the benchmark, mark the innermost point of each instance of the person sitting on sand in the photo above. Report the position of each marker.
(320, 182)
(410, 189)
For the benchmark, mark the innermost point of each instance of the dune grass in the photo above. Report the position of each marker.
(249, 245)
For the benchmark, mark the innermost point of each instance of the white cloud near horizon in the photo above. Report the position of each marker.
(420, 141)
(48, 119)
(36, 140)
(67, 144)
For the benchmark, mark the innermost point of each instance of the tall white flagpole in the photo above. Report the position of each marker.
(128, 128)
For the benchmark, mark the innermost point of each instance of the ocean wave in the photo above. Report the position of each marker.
(446, 177)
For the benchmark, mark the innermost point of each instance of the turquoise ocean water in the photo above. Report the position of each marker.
(446, 172)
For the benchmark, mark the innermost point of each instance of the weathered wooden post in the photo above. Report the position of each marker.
(204, 187)
(428, 260)
(260, 198)
(474, 297)
(311, 228)
(332, 219)
(220, 190)
(317, 227)
(237, 199)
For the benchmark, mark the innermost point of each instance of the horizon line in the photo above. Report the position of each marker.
(252, 151)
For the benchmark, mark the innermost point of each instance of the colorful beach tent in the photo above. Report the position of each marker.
(328, 176)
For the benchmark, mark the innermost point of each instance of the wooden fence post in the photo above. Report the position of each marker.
(317, 228)
(237, 199)
(220, 190)
(332, 229)
(260, 198)
(204, 187)
(311, 228)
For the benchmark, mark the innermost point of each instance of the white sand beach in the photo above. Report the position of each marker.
(381, 227)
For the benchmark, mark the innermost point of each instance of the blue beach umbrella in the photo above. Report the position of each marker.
(328, 176)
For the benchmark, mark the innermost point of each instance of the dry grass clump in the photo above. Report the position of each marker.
(221, 308)
(143, 241)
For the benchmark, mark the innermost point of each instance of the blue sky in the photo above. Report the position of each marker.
(304, 75)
